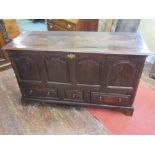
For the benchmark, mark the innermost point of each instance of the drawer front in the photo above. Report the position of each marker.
(62, 23)
(74, 95)
(110, 99)
(40, 92)
(55, 28)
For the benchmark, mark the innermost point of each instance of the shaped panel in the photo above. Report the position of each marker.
(27, 67)
(88, 72)
(57, 69)
(122, 73)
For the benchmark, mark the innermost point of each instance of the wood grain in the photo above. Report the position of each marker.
(85, 42)
(87, 25)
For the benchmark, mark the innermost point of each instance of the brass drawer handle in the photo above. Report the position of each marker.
(100, 98)
(120, 100)
(71, 56)
(48, 93)
(74, 95)
(69, 26)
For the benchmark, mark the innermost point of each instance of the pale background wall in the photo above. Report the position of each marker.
(147, 28)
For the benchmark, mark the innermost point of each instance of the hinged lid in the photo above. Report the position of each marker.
(87, 42)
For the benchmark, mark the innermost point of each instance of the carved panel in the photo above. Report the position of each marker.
(88, 72)
(27, 67)
(122, 73)
(57, 69)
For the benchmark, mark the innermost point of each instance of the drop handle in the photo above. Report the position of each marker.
(120, 100)
(48, 93)
(74, 95)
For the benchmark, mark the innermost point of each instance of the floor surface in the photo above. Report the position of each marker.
(16, 118)
(143, 120)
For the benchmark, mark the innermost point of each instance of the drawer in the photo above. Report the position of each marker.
(75, 95)
(40, 92)
(110, 99)
(62, 23)
(55, 28)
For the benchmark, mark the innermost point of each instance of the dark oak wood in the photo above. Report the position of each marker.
(79, 68)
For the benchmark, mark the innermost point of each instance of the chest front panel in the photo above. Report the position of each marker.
(57, 68)
(93, 79)
(89, 69)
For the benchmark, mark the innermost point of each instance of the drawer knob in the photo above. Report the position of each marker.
(100, 98)
(71, 56)
(120, 100)
(74, 95)
(48, 93)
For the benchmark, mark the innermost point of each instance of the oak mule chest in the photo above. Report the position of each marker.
(79, 68)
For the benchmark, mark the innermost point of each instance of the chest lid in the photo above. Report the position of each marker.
(128, 43)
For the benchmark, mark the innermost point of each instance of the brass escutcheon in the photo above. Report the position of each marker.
(71, 56)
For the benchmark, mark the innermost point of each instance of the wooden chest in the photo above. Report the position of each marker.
(79, 68)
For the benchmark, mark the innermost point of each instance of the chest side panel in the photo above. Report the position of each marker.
(123, 72)
(26, 65)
